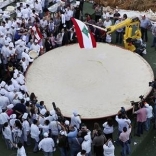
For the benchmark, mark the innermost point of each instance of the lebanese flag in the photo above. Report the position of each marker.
(84, 36)
(36, 33)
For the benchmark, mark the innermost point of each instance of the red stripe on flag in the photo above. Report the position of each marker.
(38, 32)
(78, 33)
(93, 40)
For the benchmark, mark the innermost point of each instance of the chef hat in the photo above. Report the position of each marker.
(13, 116)
(66, 122)
(3, 83)
(19, 15)
(20, 96)
(2, 34)
(43, 111)
(16, 71)
(36, 41)
(21, 82)
(15, 75)
(52, 112)
(45, 134)
(10, 106)
(11, 45)
(0, 110)
(75, 113)
(28, 99)
(25, 16)
(21, 44)
(10, 88)
(25, 115)
(6, 43)
(2, 92)
(7, 26)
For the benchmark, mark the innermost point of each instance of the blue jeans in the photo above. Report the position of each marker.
(63, 151)
(48, 153)
(125, 148)
(140, 127)
(147, 124)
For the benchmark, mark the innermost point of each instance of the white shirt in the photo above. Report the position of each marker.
(7, 133)
(86, 145)
(122, 123)
(108, 151)
(107, 23)
(3, 118)
(47, 144)
(75, 120)
(149, 111)
(34, 131)
(107, 129)
(55, 128)
(35, 48)
(4, 102)
(21, 151)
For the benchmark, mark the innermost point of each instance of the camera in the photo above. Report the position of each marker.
(152, 84)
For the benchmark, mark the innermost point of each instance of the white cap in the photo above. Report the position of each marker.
(52, 112)
(20, 97)
(15, 75)
(45, 134)
(11, 45)
(25, 115)
(10, 88)
(3, 83)
(21, 82)
(13, 116)
(36, 41)
(75, 113)
(43, 111)
(28, 99)
(6, 43)
(10, 106)
(2, 92)
(67, 122)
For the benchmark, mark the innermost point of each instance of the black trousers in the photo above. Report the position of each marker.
(119, 37)
(144, 34)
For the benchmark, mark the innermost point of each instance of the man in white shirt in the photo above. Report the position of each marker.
(149, 115)
(4, 101)
(3, 118)
(76, 120)
(35, 132)
(47, 145)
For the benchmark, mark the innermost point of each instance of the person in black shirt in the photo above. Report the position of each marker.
(116, 15)
(19, 109)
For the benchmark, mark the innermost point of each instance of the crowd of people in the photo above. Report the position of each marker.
(24, 120)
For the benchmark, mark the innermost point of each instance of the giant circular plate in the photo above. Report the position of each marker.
(95, 82)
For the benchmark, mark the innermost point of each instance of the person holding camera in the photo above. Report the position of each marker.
(124, 138)
(141, 118)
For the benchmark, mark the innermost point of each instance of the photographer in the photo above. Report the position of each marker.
(141, 118)
(122, 121)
